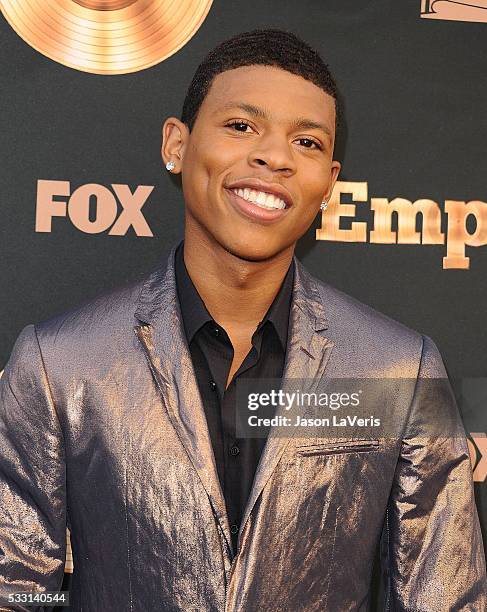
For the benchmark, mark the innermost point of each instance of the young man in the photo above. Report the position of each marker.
(117, 418)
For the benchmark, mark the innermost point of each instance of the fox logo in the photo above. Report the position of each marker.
(76, 206)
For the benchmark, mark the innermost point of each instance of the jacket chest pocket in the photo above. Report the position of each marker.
(336, 448)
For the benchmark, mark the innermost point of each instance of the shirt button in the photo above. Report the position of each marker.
(212, 385)
(234, 450)
(216, 331)
(234, 529)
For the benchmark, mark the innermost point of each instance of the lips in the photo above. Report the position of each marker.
(252, 211)
(259, 185)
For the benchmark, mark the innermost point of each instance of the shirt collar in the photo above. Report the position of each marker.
(195, 314)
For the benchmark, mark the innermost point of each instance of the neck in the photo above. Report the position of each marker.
(236, 292)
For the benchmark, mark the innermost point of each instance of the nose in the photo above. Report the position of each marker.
(275, 152)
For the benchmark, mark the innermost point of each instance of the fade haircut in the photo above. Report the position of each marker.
(270, 47)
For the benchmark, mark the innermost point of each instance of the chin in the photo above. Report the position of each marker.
(252, 249)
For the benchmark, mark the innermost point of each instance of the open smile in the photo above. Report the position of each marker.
(257, 205)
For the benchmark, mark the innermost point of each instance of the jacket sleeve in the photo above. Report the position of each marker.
(433, 556)
(32, 477)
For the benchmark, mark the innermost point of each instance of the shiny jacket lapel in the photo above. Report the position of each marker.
(161, 334)
(163, 339)
(308, 353)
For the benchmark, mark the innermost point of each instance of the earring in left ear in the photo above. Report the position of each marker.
(324, 205)
(170, 166)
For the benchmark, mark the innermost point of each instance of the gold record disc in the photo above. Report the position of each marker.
(106, 36)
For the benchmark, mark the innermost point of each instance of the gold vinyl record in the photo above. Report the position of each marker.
(106, 36)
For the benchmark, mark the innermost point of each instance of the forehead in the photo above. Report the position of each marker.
(282, 93)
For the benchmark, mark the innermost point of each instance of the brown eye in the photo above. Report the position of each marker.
(312, 142)
(238, 123)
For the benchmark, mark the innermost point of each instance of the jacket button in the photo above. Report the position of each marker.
(234, 450)
(234, 529)
(212, 385)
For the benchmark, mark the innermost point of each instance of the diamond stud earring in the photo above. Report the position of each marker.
(324, 205)
(170, 166)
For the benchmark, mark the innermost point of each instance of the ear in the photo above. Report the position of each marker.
(334, 172)
(175, 136)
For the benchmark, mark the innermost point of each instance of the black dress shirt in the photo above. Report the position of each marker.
(212, 354)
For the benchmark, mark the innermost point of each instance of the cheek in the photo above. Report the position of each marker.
(196, 170)
(318, 179)
(315, 182)
(210, 154)
(206, 163)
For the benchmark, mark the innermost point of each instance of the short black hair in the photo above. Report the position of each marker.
(270, 47)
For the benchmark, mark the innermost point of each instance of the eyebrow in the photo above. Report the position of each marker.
(300, 123)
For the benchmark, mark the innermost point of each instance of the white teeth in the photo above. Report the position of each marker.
(260, 198)
(270, 199)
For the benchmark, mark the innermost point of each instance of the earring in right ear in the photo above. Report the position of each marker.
(170, 166)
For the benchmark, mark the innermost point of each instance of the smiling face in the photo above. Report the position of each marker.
(260, 130)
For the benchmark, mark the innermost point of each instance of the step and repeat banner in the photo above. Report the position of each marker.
(87, 203)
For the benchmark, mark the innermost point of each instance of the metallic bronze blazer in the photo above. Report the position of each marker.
(102, 429)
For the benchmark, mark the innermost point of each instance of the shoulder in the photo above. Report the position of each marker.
(345, 310)
(370, 339)
(95, 331)
(111, 307)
